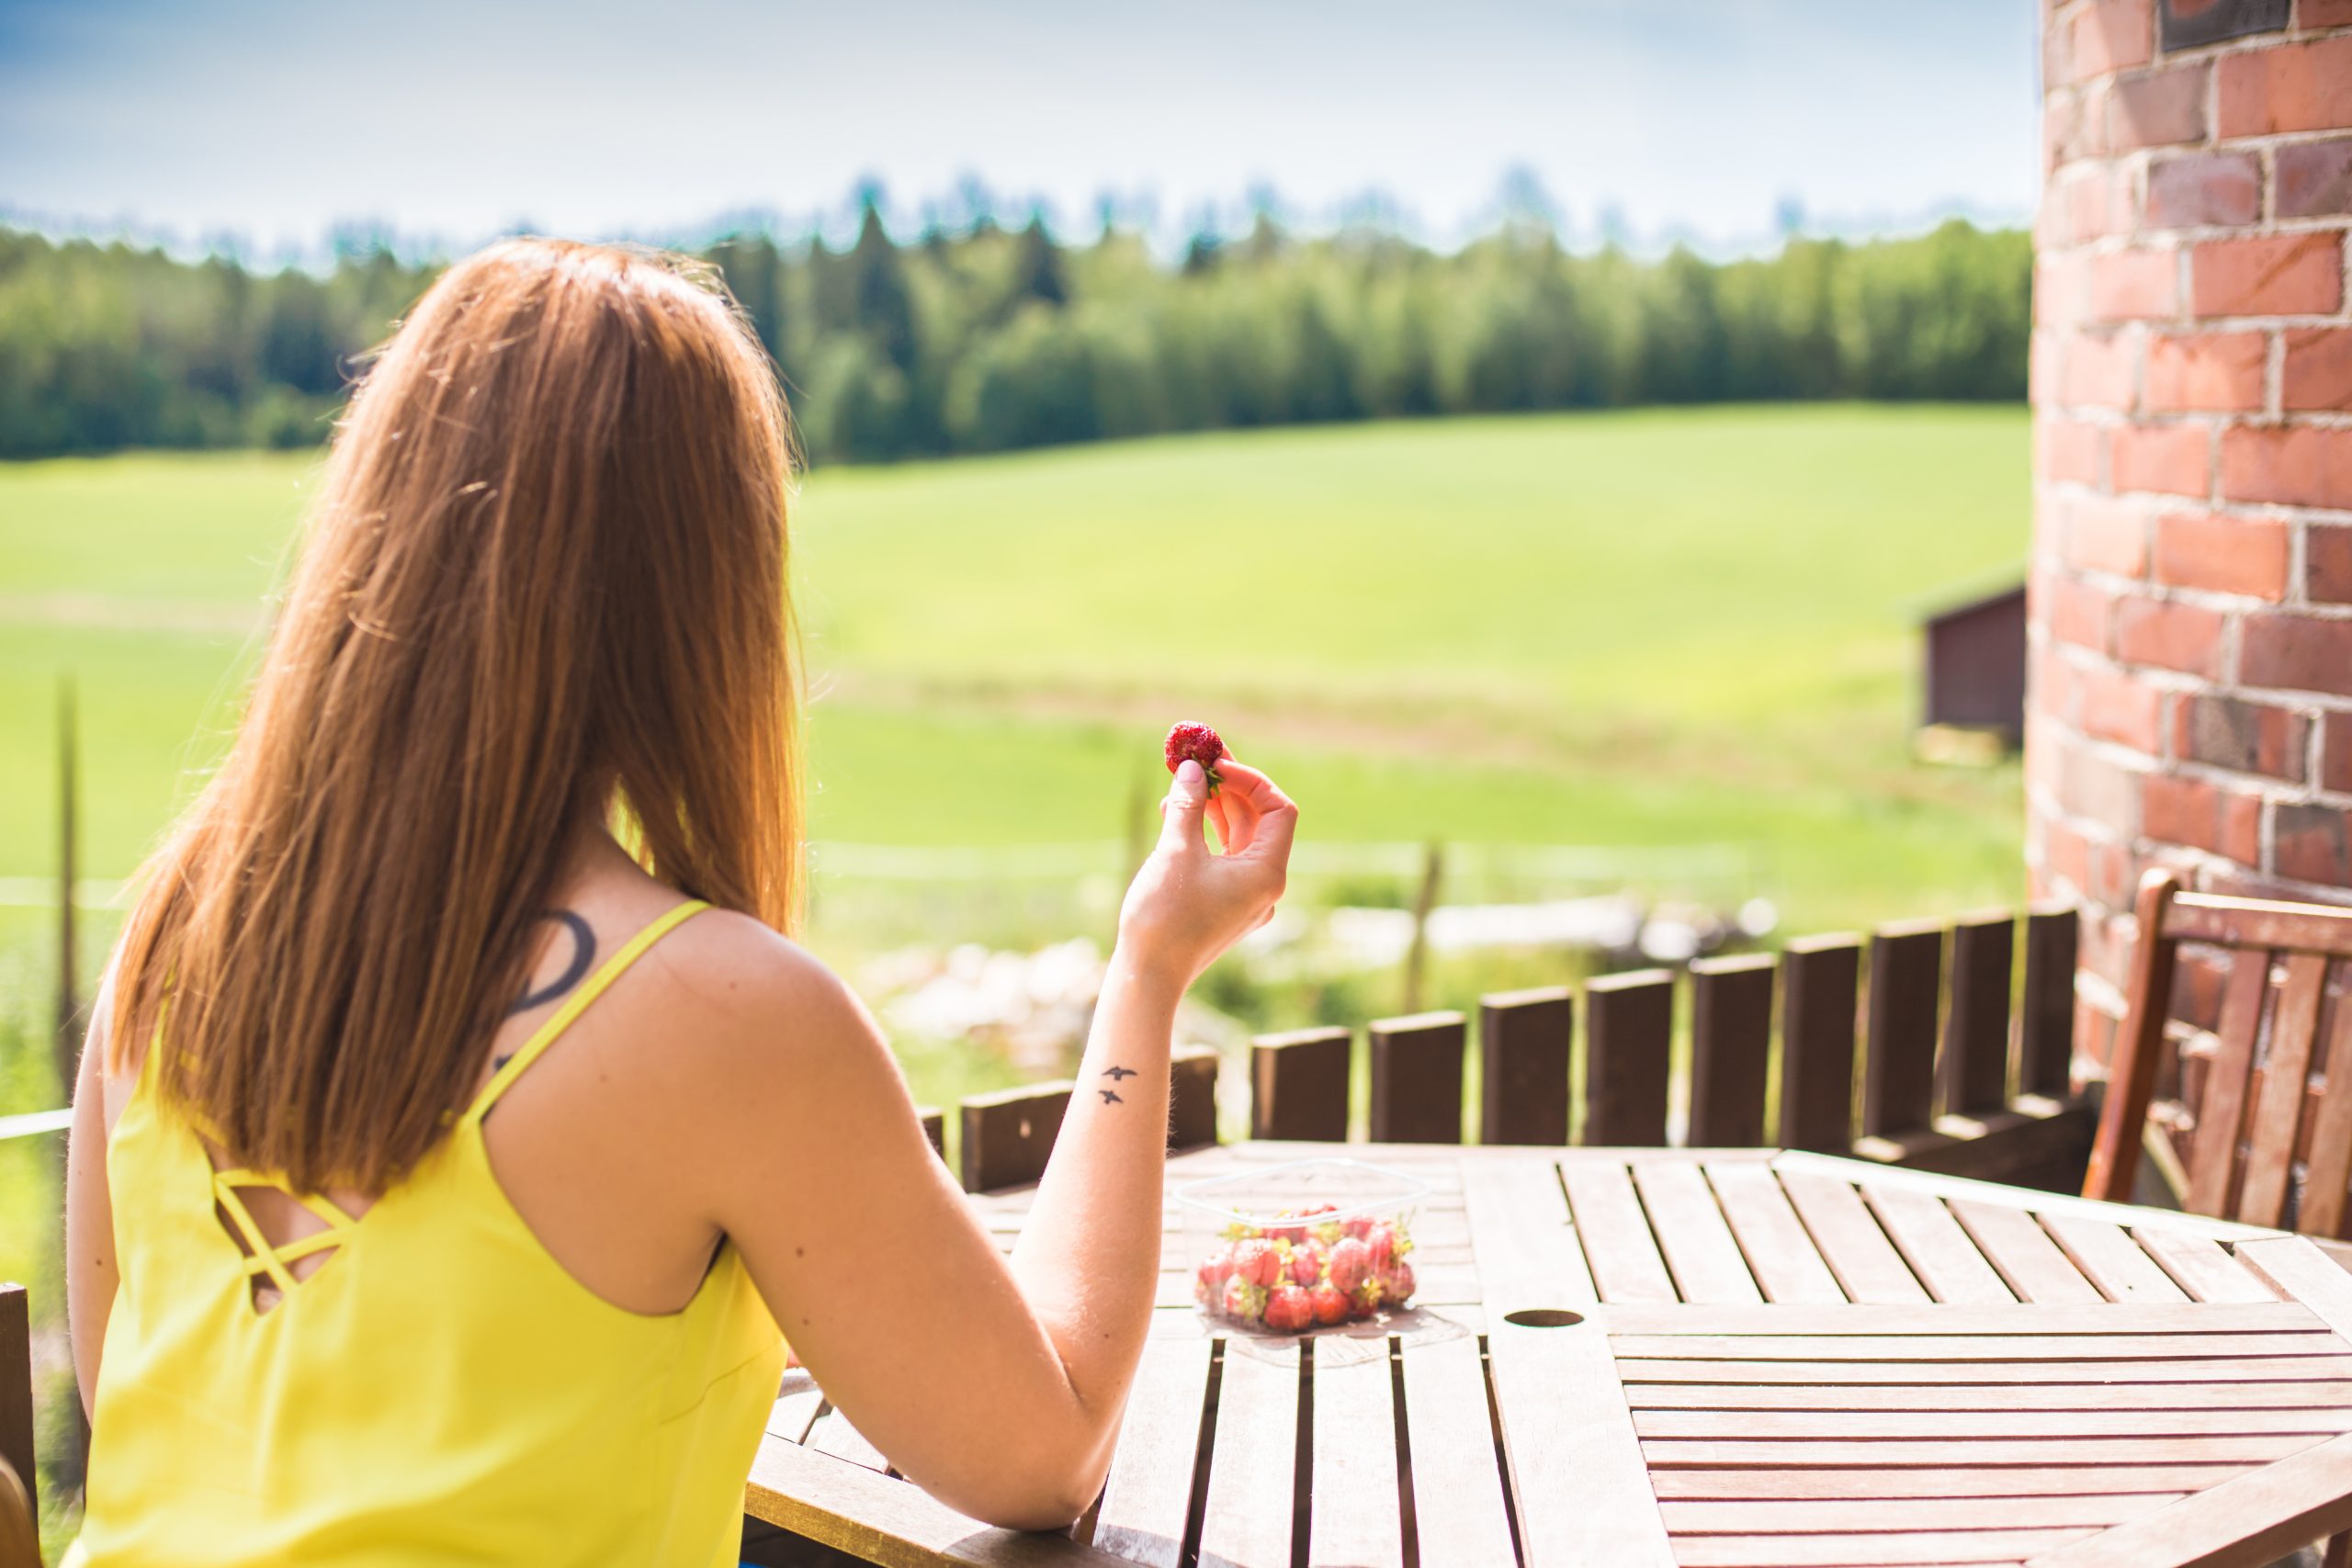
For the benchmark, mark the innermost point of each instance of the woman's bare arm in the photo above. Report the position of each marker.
(997, 1384)
(89, 1208)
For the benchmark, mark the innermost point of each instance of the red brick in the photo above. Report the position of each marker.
(2111, 35)
(2248, 738)
(2222, 555)
(2196, 813)
(2074, 125)
(2202, 189)
(2327, 564)
(2170, 635)
(2309, 844)
(2042, 352)
(2335, 753)
(2132, 284)
(2174, 458)
(2161, 108)
(2105, 535)
(2268, 275)
(2296, 465)
(2066, 853)
(2092, 203)
(2079, 614)
(2324, 14)
(2314, 177)
(2318, 373)
(2220, 372)
(2292, 86)
(2098, 372)
(2292, 653)
(2122, 709)
(2089, 786)
(2062, 289)
(2071, 450)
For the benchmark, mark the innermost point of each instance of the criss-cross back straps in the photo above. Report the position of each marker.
(263, 1256)
(577, 1003)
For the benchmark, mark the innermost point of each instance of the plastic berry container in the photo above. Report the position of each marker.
(1305, 1246)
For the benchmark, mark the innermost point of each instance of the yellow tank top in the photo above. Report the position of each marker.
(439, 1390)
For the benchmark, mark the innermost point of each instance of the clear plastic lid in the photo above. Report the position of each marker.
(1273, 1195)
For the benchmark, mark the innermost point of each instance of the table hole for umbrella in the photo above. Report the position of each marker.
(1544, 1317)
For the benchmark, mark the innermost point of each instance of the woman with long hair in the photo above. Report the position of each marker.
(461, 1135)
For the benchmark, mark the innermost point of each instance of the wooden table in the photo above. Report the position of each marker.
(1661, 1356)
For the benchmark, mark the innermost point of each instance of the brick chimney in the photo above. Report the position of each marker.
(2190, 697)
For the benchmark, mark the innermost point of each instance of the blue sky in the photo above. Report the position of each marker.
(446, 121)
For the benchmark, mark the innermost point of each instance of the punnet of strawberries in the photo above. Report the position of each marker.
(1309, 1268)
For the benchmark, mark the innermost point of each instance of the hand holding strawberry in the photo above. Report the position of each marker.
(1187, 906)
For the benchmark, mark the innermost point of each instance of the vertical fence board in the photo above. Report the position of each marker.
(1820, 990)
(1007, 1135)
(1731, 1043)
(16, 1386)
(1192, 1097)
(1975, 1068)
(1523, 1040)
(1417, 1079)
(1899, 1061)
(934, 1127)
(2046, 1024)
(1299, 1085)
(1629, 1025)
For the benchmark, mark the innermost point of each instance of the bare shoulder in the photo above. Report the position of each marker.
(754, 1001)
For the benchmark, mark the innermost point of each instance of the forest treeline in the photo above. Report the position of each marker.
(996, 337)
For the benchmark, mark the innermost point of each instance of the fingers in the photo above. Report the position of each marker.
(1273, 819)
(1180, 812)
(1221, 822)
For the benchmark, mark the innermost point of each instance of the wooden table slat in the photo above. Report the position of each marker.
(2112, 1260)
(1252, 1468)
(1855, 1483)
(2120, 1368)
(1354, 1519)
(1457, 1490)
(796, 1403)
(1948, 1395)
(1151, 1485)
(1700, 1251)
(1802, 1514)
(1618, 1244)
(2317, 1420)
(2125, 1322)
(872, 1516)
(2202, 1267)
(2006, 1346)
(1519, 1227)
(2250, 1519)
(1961, 1452)
(832, 1434)
(1787, 1266)
(2031, 1263)
(1852, 1243)
(1570, 1440)
(1940, 1253)
(1939, 1547)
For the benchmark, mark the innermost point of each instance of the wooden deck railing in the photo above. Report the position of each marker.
(1922, 1045)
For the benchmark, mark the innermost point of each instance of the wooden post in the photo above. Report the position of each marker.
(1820, 992)
(1417, 1079)
(1731, 1044)
(1192, 1097)
(1899, 1062)
(1629, 1032)
(1008, 1136)
(1299, 1085)
(2046, 1020)
(1975, 1068)
(16, 1387)
(65, 1042)
(934, 1127)
(1523, 1040)
(1424, 900)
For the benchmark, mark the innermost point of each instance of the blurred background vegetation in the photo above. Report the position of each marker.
(986, 338)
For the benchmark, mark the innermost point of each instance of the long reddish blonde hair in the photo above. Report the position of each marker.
(545, 581)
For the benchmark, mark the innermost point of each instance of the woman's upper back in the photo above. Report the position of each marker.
(524, 1351)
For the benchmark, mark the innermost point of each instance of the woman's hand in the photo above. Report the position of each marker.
(1187, 906)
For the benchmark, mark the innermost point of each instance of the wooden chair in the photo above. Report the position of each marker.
(2240, 1123)
(19, 1520)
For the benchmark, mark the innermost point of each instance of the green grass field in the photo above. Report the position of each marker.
(1657, 628)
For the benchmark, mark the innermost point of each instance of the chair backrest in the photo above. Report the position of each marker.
(19, 1524)
(2248, 1103)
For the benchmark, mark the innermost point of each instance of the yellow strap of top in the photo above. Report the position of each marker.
(577, 1003)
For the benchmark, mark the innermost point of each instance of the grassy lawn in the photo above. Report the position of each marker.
(1655, 628)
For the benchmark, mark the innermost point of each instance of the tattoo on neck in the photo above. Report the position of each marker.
(583, 953)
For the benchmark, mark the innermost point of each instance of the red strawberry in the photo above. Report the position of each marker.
(1331, 1304)
(1288, 1310)
(1382, 1241)
(1244, 1300)
(1307, 1263)
(1257, 1262)
(1369, 1296)
(1351, 1261)
(1400, 1281)
(1291, 1234)
(1199, 742)
(1215, 1270)
(1359, 1225)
